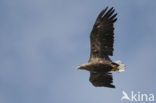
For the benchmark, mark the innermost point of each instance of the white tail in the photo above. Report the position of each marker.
(121, 66)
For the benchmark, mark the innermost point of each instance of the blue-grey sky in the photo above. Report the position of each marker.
(42, 41)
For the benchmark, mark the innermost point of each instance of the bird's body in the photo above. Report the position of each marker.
(102, 38)
(97, 65)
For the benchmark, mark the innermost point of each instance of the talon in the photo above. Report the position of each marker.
(114, 68)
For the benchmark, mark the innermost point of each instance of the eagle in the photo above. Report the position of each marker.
(101, 41)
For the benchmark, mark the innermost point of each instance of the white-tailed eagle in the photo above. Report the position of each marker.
(101, 39)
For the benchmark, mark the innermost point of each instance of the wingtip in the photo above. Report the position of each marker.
(106, 7)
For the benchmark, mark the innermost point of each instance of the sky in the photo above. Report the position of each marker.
(42, 42)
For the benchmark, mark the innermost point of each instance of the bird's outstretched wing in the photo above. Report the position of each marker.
(101, 79)
(102, 35)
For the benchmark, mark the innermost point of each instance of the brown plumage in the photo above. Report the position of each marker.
(102, 38)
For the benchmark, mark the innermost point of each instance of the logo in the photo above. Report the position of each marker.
(137, 96)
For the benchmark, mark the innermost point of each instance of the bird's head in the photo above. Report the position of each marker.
(82, 67)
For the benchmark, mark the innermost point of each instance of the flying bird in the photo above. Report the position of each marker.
(101, 41)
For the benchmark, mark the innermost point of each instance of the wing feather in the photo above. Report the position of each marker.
(102, 35)
(100, 79)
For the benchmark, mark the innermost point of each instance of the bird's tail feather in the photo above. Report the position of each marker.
(121, 66)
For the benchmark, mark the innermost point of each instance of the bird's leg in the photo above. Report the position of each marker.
(114, 67)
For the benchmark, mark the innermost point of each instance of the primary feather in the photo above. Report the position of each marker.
(102, 35)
